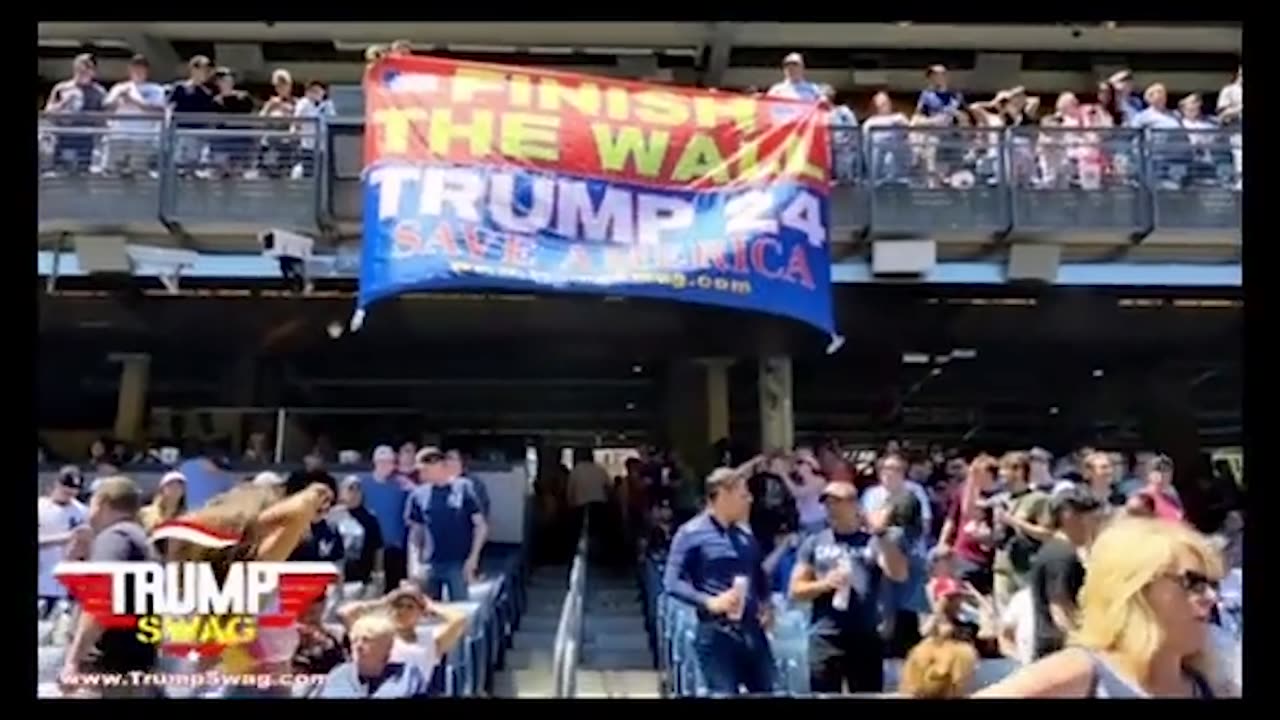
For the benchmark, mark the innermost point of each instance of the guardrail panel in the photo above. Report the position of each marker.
(1197, 178)
(926, 179)
(1070, 179)
(99, 169)
(246, 169)
(346, 142)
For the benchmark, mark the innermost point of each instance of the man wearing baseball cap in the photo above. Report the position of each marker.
(59, 516)
(385, 496)
(839, 570)
(447, 529)
(793, 85)
(1057, 571)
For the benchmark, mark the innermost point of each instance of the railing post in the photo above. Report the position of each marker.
(281, 417)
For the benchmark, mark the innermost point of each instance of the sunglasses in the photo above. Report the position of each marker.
(1194, 582)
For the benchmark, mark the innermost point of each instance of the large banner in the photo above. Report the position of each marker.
(488, 176)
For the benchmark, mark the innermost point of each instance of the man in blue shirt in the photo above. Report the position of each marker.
(715, 565)
(937, 102)
(385, 494)
(204, 481)
(370, 673)
(446, 529)
(457, 470)
(839, 570)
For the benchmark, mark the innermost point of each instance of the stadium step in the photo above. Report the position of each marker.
(617, 684)
(535, 683)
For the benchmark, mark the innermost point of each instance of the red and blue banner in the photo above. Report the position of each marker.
(487, 176)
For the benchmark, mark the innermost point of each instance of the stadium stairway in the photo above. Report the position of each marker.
(616, 659)
(528, 671)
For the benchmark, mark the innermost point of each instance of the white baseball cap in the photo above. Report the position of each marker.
(268, 479)
(171, 477)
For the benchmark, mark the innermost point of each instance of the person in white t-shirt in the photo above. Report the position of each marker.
(316, 106)
(62, 520)
(133, 143)
(407, 607)
(793, 85)
(1017, 634)
(890, 153)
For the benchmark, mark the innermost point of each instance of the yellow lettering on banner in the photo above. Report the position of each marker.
(585, 98)
(709, 111)
(528, 136)
(661, 108)
(520, 91)
(647, 149)
(466, 82)
(798, 158)
(395, 124)
(617, 103)
(443, 132)
(749, 166)
(701, 158)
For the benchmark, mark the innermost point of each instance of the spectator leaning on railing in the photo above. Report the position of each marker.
(134, 142)
(80, 94)
(233, 155)
(316, 106)
(844, 137)
(191, 96)
(890, 153)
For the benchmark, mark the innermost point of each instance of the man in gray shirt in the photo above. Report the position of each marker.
(118, 537)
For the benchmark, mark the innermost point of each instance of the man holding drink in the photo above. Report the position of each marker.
(839, 570)
(714, 565)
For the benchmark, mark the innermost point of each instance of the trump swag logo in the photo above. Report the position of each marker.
(183, 607)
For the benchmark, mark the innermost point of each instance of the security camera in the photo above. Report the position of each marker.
(283, 243)
(292, 251)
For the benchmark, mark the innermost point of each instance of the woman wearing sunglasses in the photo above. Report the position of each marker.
(1145, 608)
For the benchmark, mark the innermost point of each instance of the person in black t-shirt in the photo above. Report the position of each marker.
(232, 155)
(1057, 571)
(192, 96)
(323, 542)
(839, 570)
(363, 544)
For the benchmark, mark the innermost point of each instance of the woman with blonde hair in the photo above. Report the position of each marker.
(1143, 623)
(938, 667)
(246, 524)
(169, 502)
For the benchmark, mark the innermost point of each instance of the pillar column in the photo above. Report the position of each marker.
(777, 416)
(697, 408)
(717, 396)
(131, 400)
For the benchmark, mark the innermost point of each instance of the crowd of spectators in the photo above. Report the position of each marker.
(89, 129)
(407, 534)
(938, 560)
(942, 143)
(948, 140)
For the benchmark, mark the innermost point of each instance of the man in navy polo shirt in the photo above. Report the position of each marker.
(715, 565)
(937, 101)
(447, 529)
(385, 494)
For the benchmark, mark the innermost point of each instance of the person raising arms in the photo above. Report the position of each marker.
(1145, 606)
(265, 530)
(406, 606)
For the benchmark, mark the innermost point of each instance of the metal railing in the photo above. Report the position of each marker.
(568, 640)
(305, 171)
(175, 168)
